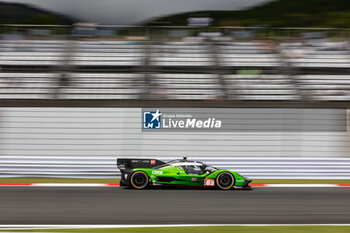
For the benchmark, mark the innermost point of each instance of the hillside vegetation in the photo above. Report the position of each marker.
(277, 13)
(16, 13)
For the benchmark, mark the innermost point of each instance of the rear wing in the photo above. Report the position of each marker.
(123, 164)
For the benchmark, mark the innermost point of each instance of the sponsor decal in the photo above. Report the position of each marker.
(153, 161)
(168, 119)
(151, 120)
(157, 172)
(191, 123)
(179, 119)
(209, 182)
(194, 179)
(125, 176)
(140, 161)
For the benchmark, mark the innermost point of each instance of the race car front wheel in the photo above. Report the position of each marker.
(139, 180)
(225, 180)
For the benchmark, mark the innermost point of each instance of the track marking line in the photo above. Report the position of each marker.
(301, 185)
(117, 185)
(28, 227)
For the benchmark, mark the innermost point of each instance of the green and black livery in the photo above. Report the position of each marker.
(140, 173)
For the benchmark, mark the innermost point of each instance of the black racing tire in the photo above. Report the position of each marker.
(139, 180)
(225, 180)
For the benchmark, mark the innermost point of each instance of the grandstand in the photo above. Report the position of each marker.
(197, 69)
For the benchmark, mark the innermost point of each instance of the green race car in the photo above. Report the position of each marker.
(140, 173)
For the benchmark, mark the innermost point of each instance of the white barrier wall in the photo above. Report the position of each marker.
(117, 131)
(56, 134)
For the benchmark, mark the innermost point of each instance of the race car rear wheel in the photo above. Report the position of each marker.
(139, 180)
(225, 180)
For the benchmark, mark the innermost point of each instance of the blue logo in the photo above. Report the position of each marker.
(151, 120)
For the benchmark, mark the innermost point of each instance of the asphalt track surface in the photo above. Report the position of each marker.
(114, 205)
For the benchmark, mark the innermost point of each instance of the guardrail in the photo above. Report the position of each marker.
(105, 167)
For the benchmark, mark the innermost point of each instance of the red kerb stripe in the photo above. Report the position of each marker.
(113, 185)
(15, 184)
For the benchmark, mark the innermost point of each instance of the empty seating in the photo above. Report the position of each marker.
(260, 87)
(318, 56)
(325, 87)
(185, 86)
(247, 54)
(174, 86)
(174, 70)
(99, 54)
(102, 86)
(108, 53)
(47, 53)
(182, 54)
(27, 85)
(29, 53)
